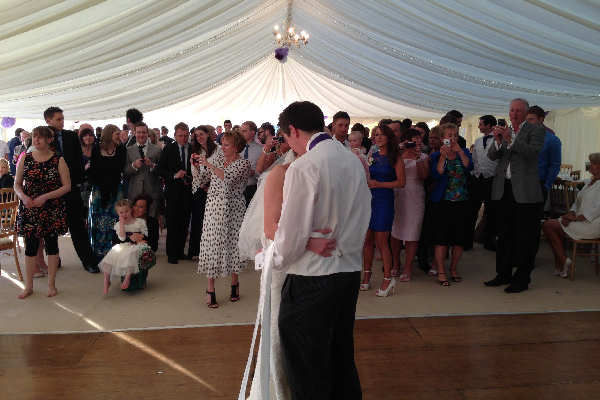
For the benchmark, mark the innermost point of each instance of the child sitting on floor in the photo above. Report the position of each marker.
(131, 253)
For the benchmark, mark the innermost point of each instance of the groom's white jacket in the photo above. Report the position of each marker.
(325, 188)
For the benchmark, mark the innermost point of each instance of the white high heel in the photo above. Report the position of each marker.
(389, 290)
(565, 271)
(367, 286)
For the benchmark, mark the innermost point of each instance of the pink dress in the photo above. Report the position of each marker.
(409, 204)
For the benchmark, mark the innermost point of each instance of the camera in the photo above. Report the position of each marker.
(501, 122)
(277, 141)
(446, 142)
(410, 145)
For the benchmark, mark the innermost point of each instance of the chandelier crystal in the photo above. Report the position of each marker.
(286, 34)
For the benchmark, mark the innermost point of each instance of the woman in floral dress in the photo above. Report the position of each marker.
(41, 180)
(223, 216)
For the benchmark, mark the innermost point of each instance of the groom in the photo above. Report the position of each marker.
(325, 187)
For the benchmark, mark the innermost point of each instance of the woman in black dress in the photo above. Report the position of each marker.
(203, 145)
(106, 168)
(41, 180)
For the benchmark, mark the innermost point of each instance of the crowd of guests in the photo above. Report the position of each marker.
(114, 188)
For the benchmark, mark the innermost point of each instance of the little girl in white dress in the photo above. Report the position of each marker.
(132, 253)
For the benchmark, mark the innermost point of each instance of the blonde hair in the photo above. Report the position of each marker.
(355, 134)
(123, 203)
(594, 158)
(446, 127)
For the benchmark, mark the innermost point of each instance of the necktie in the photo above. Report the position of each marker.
(246, 152)
(59, 142)
(485, 140)
(182, 156)
(141, 147)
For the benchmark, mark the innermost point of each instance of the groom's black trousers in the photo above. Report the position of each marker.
(316, 324)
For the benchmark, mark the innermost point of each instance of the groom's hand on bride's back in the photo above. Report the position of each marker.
(322, 246)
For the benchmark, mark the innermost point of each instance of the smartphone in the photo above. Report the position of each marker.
(501, 122)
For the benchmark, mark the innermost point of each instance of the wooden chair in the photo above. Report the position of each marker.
(593, 244)
(558, 205)
(8, 234)
(9, 195)
(576, 175)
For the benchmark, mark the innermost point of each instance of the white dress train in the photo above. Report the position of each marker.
(251, 240)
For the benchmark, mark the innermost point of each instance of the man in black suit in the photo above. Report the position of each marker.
(174, 167)
(68, 146)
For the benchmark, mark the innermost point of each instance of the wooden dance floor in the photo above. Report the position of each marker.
(540, 356)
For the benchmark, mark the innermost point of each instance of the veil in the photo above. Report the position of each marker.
(251, 232)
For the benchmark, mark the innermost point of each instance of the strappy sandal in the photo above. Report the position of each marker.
(455, 278)
(235, 292)
(366, 285)
(444, 280)
(212, 303)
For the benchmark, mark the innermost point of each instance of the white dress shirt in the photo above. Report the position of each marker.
(482, 165)
(325, 188)
(508, 173)
(254, 152)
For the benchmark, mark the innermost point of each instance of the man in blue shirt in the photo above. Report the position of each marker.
(550, 155)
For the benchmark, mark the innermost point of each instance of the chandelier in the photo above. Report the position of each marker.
(286, 35)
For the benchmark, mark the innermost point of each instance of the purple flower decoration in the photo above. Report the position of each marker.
(7, 122)
(281, 54)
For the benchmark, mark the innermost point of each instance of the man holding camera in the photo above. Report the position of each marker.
(140, 169)
(517, 192)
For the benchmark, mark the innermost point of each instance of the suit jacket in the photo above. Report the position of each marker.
(145, 180)
(523, 156)
(169, 164)
(71, 152)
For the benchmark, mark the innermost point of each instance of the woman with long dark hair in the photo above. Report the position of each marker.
(387, 172)
(204, 146)
(105, 172)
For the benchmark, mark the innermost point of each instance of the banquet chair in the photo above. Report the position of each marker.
(8, 233)
(565, 169)
(570, 190)
(558, 205)
(9, 195)
(594, 252)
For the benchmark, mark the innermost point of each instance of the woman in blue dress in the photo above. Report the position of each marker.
(386, 170)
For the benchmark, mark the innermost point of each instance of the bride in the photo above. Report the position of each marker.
(257, 233)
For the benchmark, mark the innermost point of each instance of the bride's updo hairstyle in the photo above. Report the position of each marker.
(302, 115)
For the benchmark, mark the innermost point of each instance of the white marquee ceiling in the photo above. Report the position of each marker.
(97, 58)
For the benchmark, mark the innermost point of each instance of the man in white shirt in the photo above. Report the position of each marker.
(480, 183)
(251, 152)
(324, 188)
(340, 126)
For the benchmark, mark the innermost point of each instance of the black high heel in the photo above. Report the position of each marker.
(235, 292)
(213, 300)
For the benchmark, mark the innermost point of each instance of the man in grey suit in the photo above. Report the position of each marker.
(140, 169)
(517, 192)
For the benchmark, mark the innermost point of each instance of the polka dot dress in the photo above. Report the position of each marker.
(223, 216)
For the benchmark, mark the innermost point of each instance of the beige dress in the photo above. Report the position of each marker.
(588, 205)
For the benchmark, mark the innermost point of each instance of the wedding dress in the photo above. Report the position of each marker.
(251, 240)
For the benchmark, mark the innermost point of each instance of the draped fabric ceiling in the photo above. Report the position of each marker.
(372, 58)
